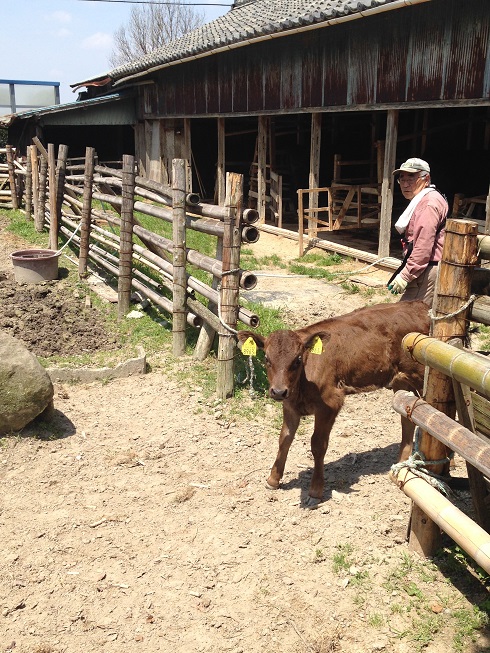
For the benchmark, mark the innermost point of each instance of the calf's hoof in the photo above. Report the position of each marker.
(272, 483)
(312, 502)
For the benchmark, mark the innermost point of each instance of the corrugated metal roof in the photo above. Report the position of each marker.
(249, 19)
(7, 120)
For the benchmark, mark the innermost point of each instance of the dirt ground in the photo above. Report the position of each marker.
(141, 521)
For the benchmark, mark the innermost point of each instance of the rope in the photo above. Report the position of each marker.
(417, 462)
(250, 377)
(227, 326)
(69, 239)
(459, 310)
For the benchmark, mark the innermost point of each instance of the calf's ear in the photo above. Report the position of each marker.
(324, 336)
(242, 336)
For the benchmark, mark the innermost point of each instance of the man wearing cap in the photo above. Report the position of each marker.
(422, 228)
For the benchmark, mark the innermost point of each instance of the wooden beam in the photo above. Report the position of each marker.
(389, 165)
(220, 166)
(314, 176)
(261, 166)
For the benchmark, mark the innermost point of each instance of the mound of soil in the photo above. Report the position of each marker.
(51, 319)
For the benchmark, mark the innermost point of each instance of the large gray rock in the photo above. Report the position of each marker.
(25, 387)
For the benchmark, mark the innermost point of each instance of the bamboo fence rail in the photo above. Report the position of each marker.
(62, 195)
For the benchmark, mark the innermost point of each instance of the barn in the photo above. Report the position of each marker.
(298, 96)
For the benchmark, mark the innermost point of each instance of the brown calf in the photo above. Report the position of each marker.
(361, 351)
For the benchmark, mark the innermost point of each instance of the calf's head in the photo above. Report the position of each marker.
(286, 353)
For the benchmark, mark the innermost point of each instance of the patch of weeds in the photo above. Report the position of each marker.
(25, 229)
(484, 337)
(350, 288)
(319, 555)
(315, 273)
(376, 620)
(341, 559)
(361, 580)
(423, 630)
(468, 623)
(412, 590)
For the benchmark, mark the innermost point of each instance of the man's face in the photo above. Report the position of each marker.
(411, 183)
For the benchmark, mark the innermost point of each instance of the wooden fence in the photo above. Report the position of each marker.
(62, 196)
(457, 385)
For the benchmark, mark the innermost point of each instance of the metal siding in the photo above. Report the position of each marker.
(428, 47)
(434, 52)
(255, 91)
(210, 74)
(335, 69)
(469, 46)
(225, 71)
(272, 80)
(312, 70)
(363, 66)
(239, 81)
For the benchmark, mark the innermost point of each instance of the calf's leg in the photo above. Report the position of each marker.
(324, 420)
(406, 444)
(288, 430)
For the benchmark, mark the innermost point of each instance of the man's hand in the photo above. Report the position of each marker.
(398, 285)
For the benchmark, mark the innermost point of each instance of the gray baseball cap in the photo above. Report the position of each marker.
(413, 165)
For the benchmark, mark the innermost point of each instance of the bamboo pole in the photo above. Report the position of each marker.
(462, 365)
(29, 184)
(441, 512)
(86, 210)
(125, 260)
(179, 256)
(452, 434)
(53, 216)
(229, 285)
(11, 173)
(459, 256)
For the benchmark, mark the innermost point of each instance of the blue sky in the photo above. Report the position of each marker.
(64, 41)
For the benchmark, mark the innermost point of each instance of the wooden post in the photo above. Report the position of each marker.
(53, 216)
(29, 184)
(60, 183)
(487, 213)
(126, 252)
(314, 177)
(179, 191)
(11, 173)
(261, 166)
(300, 223)
(453, 290)
(207, 333)
(35, 184)
(389, 165)
(230, 285)
(220, 166)
(187, 153)
(86, 210)
(43, 180)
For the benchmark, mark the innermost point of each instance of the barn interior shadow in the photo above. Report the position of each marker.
(342, 473)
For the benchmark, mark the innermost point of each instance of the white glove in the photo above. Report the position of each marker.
(398, 285)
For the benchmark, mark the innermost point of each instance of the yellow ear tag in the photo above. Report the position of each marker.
(317, 346)
(249, 347)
